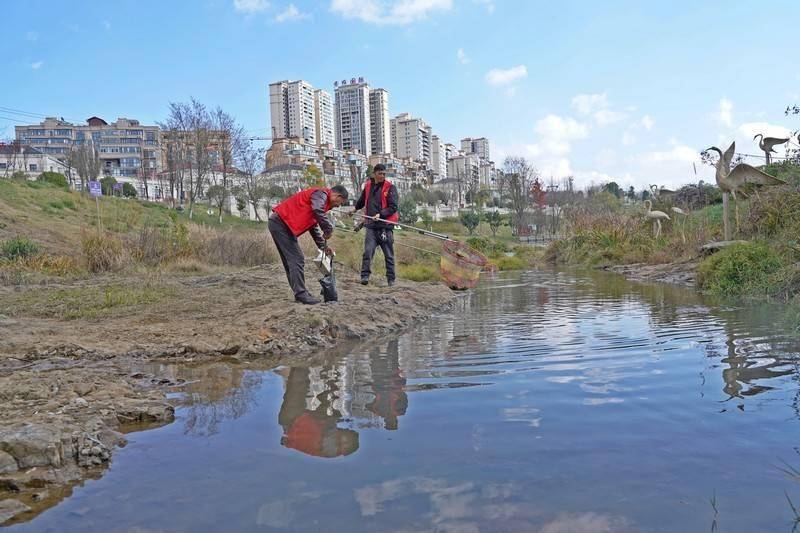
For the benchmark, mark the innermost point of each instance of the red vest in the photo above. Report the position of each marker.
(296, 210)
(384, 199)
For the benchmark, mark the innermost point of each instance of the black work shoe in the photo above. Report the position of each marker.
(390, 282)
(365, 281)
(307, 300)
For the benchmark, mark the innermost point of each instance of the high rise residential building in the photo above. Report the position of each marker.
(126, 148)
(464, 167)
(479, 146)
(292, 110)
(324, 112)
(438, 158)
(380, 130)
(352, 116)
(411, 138)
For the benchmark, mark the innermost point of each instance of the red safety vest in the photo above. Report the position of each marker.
(296, 210)
(384, 199)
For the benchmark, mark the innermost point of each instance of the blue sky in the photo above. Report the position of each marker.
(624, 90)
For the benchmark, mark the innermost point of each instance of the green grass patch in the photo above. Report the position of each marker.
(510, 263)
(739, 270)
(18, 248)
(419, 272)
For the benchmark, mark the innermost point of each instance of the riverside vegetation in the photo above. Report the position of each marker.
(603, 232)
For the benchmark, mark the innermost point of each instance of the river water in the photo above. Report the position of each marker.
(548, 401)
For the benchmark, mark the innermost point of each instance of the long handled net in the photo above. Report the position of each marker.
(460, 265)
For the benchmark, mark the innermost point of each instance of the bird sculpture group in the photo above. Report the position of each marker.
(732, 181)
(736, 181)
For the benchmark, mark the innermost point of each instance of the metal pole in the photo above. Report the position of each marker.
(405, 226)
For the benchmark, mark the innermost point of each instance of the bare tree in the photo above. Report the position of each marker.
(87, 163)
(251, 163)
(189, 130)
(519, 175)
(230, 141)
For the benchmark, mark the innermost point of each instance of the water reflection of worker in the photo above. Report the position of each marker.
(388, 386)
(312, 431)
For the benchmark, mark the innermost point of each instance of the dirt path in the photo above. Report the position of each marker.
(70, 388)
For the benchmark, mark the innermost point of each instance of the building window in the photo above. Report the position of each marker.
(33, 168)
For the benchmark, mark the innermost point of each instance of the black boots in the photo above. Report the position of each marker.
(306, 299)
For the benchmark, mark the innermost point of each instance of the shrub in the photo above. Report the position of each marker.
(54, 178)
(18, 248)
(128, 190)
(739, 269)
(487, 246)
(470, 220)
(102, 252)
(107, 185)
(19, 176)
(408, 210)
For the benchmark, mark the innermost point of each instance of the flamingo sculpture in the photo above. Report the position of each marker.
(767, 145)
(656, 217)
(734, 181)
(685, 215)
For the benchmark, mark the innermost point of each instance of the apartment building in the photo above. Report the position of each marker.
(353, 123)
(127, 149)
(411, 138)
(477, 145)
(438, 158)
(380, 130)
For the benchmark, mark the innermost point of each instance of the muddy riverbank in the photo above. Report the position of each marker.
(72, 383)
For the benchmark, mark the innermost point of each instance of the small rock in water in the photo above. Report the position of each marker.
(10, 508)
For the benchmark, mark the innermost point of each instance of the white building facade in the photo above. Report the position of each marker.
(411, 138)
(380, 130)
(353, 128)
(292, 110)
(438, 158)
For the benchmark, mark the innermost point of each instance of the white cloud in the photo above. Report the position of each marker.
(387, 12)
(250, 6)
(291, 13)
(647, 122)
(726, 112)
(628, 138)
(597, 105)
(37, 65)
(498, 76)
(549, 153)
(743, 135)
(462, 56)
(488, 4)
(587, 104)
(605, 117)
(680, 153)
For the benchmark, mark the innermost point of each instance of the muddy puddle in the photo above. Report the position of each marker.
(546, 401)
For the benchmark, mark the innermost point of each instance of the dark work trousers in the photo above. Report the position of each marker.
(291, 254)
(371, 241)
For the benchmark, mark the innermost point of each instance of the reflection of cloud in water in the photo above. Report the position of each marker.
(601, 401)
(459, 507)
(587, 523)
(283, 513)
(523, 414)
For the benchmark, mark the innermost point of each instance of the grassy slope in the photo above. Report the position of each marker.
(55, 218)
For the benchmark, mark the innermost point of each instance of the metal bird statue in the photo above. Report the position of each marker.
(656, 217)
(768, 143)
(735, 181)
